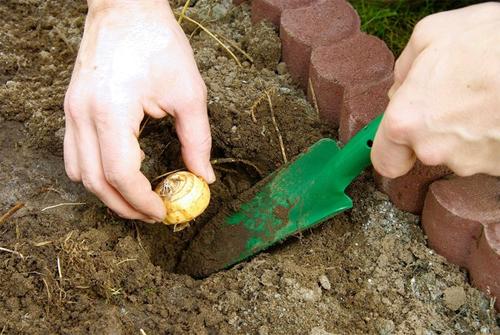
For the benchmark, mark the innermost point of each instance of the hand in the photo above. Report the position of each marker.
(445, 103)
(133, 59)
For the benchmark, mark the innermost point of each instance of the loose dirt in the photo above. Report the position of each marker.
(78, 269)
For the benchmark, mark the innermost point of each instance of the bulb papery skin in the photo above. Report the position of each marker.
(184, 195)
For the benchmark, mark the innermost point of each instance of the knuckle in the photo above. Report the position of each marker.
(116, 176)
(429, 155)
(398, 72)
(425, 31)
(462, 167)
(397, 127)
(92, 184)
(72, 175)
(421, 30)
(198, 91)
(72, 105)
(462, 171)
(387, 170)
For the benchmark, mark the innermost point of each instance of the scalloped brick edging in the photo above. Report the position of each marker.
(345, 75)
(461, 218)
(321, 24)
(270, 10)
(348, 74)
(408, 192)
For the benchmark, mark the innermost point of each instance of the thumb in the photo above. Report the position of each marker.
(193, 130)
(389, 158)
(392, 155)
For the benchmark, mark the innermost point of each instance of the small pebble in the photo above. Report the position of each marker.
(319, 331)
(324, 282)
(384, 326)
(281, 68)
(263, 330)
(454, 297)
(309, 295)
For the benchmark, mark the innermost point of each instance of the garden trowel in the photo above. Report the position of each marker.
(302, 194)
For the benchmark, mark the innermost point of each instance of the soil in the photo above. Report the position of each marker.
(78, 269)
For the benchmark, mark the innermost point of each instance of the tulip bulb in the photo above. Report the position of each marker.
(185, 196)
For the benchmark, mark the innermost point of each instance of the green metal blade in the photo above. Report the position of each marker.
(295, 199)
(302, 194)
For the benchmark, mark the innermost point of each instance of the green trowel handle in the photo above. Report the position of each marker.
(354, 157)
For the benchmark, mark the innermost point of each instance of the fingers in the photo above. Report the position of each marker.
(420, 38)
(71, 163)
(392, 154)
(121, 161)
(93, 176)
(403, 65)
(193, 130)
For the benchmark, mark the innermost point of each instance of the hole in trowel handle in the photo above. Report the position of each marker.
(369, 143)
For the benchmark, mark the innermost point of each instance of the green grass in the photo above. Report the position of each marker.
(393, 20)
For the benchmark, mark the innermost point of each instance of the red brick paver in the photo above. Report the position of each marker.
(270, 10)
(408, 192)
(323, 23)
(461, 218)
(350, 80)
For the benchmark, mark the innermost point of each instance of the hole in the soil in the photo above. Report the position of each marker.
(165, 247)
(369, 143)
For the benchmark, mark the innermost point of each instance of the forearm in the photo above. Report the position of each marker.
(96, 6)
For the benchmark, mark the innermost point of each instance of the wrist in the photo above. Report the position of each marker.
(99, 6)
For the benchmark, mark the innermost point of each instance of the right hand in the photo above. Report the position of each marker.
(445, 103)
(134, 59)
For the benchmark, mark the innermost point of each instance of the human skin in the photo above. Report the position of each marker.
(445, 102)
(134, 60)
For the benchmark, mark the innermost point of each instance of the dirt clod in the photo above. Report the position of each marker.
(454, 297)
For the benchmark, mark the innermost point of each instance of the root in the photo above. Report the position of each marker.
(146, 120)
(12, 252)
(280, 138)
(50, 189)
(41, 244)
(183, 12)
(234, 45)
(166, 174)
(126, 260)
(59, 271)
(49, 296)
(220, 168)
(214, 37)
(138, 237)
(315, 102)
(255, 105)
(11, 212)
(64, 204)
(237, 160)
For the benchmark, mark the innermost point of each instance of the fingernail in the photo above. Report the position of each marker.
(210, 174)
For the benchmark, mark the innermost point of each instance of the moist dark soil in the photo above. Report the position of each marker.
(75, 268)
